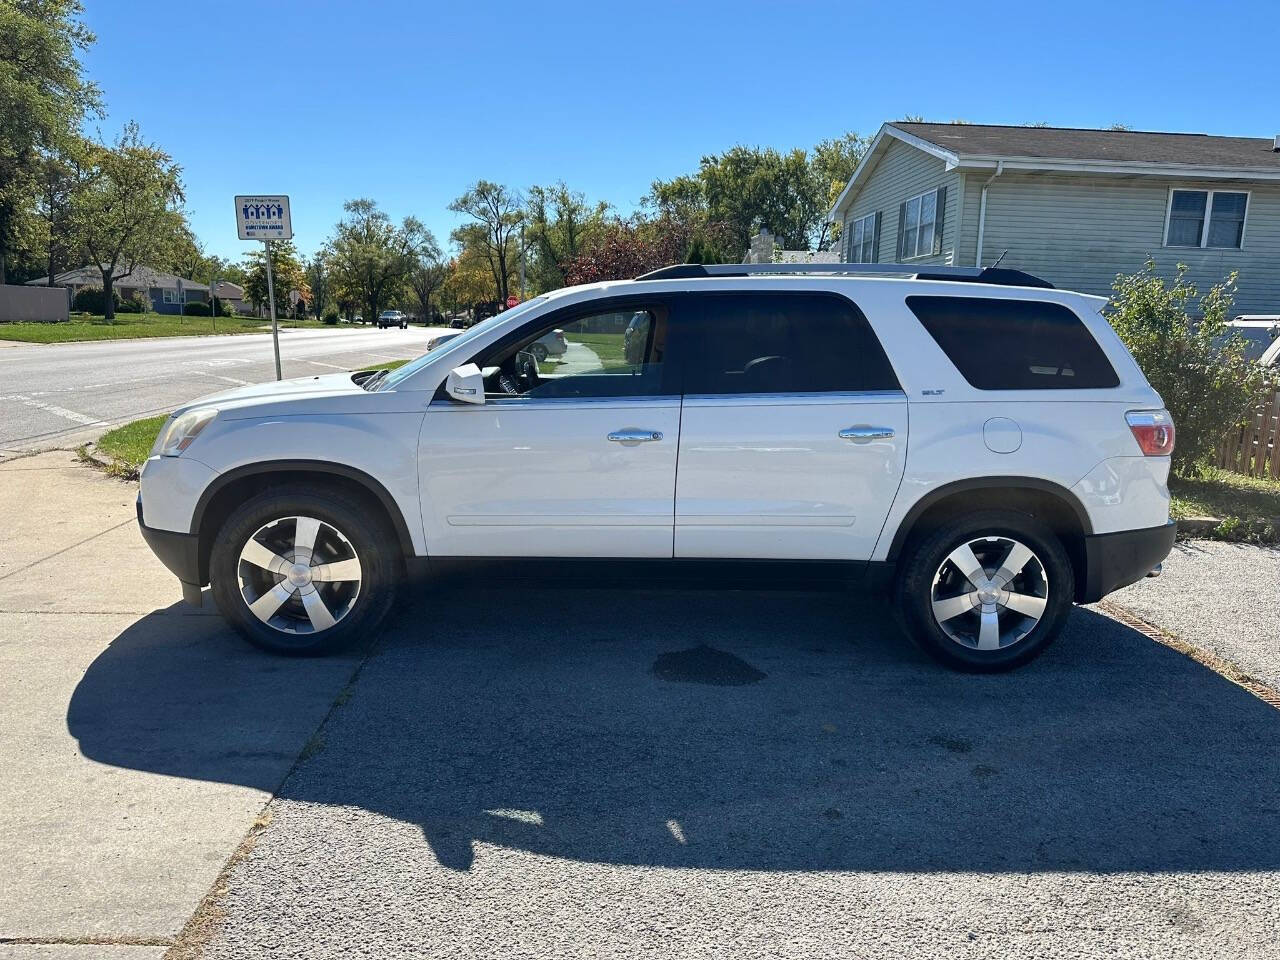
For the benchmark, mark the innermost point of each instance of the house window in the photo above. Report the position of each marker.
(1224, 211)
(862, 240)
(170, 295)
(920, 225)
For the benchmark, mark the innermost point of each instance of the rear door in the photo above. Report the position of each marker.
(793, 432)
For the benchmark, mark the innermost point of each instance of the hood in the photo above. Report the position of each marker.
(302, 388)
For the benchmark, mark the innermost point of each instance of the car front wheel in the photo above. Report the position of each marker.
(986, 592)
(304, 571)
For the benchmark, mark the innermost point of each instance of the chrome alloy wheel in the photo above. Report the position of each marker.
(299, 575)
(989, 593)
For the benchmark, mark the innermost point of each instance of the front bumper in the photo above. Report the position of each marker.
(180, 552)
(1115, 560)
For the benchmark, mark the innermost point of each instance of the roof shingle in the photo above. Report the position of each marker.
(1120, 146)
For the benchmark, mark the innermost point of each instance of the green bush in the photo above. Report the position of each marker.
(196, 309)
(331, 318)
(92, 300)
(131, 304)
(1206, 380)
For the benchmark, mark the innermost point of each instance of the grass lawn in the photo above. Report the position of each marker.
(125, 448)
(1223, 494)
(130, 326)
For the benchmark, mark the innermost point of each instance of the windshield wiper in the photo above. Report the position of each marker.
(370, 384)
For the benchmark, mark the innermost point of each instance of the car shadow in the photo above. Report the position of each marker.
(727, 729)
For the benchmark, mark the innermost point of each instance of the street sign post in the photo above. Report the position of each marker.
(266, 219)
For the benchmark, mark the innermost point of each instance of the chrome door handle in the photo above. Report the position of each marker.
(865, 434)
(635, 436)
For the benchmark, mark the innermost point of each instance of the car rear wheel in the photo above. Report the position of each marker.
(304, 571)
(986, 592)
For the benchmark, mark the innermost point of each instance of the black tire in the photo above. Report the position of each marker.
(925, 569)
(347, 525)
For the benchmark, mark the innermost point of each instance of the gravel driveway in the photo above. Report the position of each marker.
(1221, 596)
(541, 773)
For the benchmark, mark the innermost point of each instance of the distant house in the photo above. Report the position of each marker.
(231, 294)
(1075, 207)
(165, 292)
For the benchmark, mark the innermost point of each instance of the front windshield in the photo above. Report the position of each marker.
(413, 366)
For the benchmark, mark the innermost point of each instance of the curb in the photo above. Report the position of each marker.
(1217, 664)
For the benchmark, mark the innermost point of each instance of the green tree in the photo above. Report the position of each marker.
(494, 234)
(125, 210)
(43, 99)
(58, 179)
(1204, 376)
(833, 162)
(737, 192)
(428, 275)
(560, 224)
(286, 274)
(319, 277)
(371, 257)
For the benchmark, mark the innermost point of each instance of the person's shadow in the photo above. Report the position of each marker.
(731, 729)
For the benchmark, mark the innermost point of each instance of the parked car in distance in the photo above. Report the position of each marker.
(974, 446)
(392, 318)
(552, 344)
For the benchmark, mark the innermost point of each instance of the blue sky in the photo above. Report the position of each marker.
(408, 102)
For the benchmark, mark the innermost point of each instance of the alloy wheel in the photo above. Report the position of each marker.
(989, 593)
(299, 575)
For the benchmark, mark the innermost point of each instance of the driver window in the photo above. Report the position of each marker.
(617, 353)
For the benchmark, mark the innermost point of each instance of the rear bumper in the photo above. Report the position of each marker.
(1115, 560)
(180, 552)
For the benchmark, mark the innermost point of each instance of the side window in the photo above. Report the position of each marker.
(781, 343)
(613, 353)
(1015, 344)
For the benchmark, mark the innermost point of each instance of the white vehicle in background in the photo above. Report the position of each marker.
(1261, 333)
(975, 446)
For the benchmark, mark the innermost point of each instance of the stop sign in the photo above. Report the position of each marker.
(512, 301)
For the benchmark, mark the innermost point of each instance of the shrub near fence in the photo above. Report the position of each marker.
(1254, 449)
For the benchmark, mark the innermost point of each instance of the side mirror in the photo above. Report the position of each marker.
(466, 384)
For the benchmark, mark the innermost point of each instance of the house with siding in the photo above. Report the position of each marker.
(165, 292)
(1074, 206)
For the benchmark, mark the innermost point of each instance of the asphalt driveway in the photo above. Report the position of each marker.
(593, 772)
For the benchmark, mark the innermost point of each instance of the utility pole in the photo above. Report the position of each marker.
(271, 298)
(522, 248)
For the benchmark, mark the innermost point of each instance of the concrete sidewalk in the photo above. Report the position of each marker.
(94, 853)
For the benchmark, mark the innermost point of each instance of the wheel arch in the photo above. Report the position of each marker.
(1051, 503)
(232, 488)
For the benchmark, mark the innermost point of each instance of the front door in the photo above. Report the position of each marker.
(572, 454)
(794, 432)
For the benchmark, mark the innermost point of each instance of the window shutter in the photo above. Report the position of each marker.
(875, 244)
(938, 222)
(902, 221)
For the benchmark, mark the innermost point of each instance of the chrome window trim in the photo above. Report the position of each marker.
(814, 397)
(525, 402)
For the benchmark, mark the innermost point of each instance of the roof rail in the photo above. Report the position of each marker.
(996, 275)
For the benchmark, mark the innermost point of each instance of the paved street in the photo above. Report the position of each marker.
(62, 394)
(540, 772)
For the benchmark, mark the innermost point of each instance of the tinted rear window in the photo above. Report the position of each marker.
(1015, 344)
(781, 343)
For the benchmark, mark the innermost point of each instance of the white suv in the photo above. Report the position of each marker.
(973, 443)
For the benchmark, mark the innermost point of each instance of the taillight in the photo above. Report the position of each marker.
(1153, 429)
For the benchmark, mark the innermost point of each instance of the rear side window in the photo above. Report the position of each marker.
(780, 343)
(1015, 344)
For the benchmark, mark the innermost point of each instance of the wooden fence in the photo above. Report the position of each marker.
(1254, 449)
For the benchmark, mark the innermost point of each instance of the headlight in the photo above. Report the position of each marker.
(181, 431)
